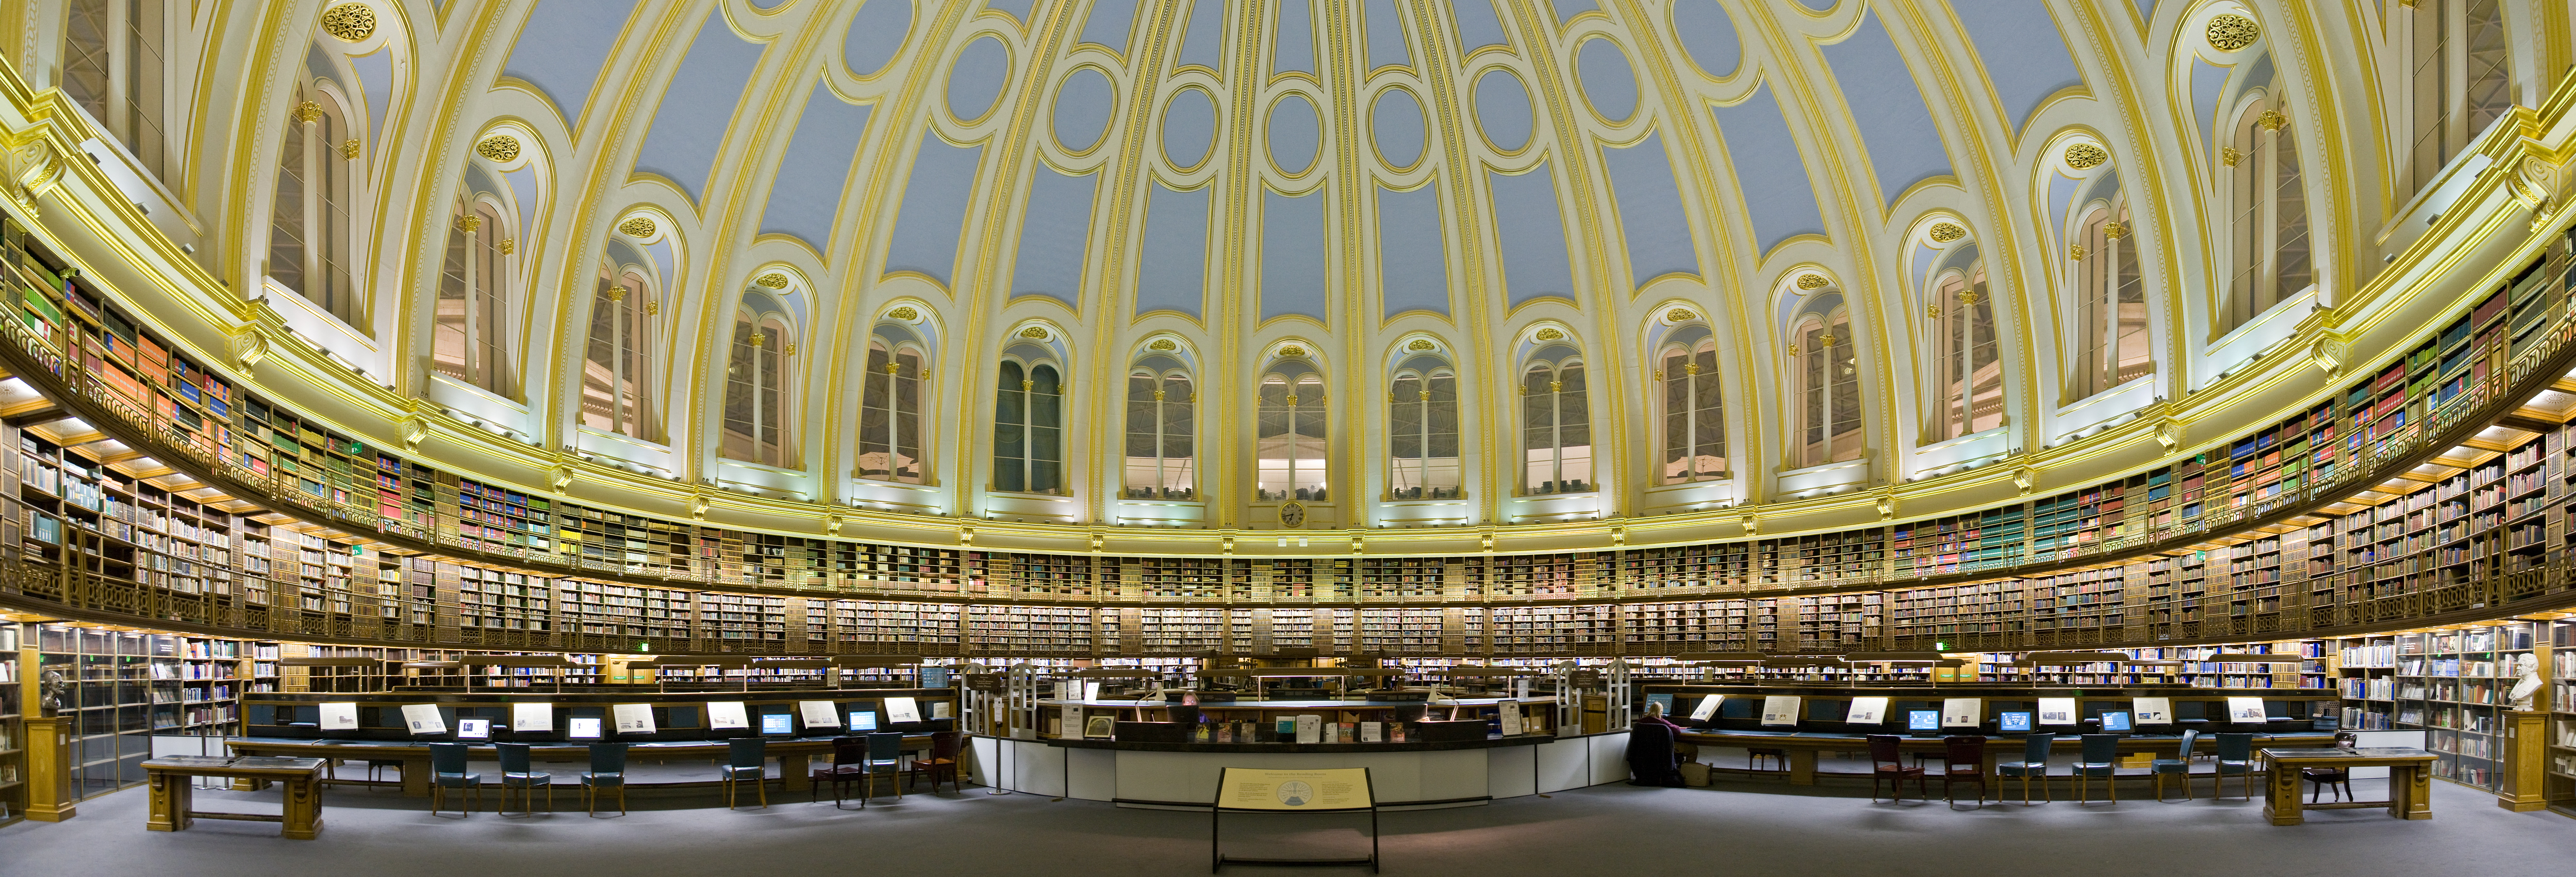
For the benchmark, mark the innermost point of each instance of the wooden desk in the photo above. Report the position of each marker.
(1804, 747)
(2410, 781)
(794, 756)
(174, 797)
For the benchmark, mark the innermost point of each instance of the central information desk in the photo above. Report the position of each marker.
(1160, 764)
(289, 725)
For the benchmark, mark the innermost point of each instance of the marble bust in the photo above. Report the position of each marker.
(2526, 669)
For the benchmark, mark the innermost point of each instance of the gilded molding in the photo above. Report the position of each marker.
(1812, 281)
(2228, 32)
(771, 280)
(350, 22)
(2086, 156)
(906, 313)
(1945, 232)
(637, 227)
(501, 148)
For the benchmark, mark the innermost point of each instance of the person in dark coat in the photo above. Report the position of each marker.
(1650, 750)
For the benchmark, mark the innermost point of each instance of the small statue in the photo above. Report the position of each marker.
(2527, 667)
(50, 690)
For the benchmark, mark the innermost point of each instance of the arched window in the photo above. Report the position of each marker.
(309, 234)
(613, 376)
(1969, 367)
(1556, 426)
(1028, 429)
(1291, 435)
(1422, 434)
(2458, 81)
(115, 67)
(2268, 216)
(473, 294)
(1828, 389)
(1694, 415)
(756, 426)
(890, 414)
(1161, 455)
(2110, 306)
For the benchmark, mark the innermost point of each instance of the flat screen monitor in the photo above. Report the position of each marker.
(2013, 721)
(2115, 723)
(862, 720)
(584, 729)
(1923, 720)
(474, 729)
(779, 724)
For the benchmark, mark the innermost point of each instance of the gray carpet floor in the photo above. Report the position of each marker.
(1759, 826)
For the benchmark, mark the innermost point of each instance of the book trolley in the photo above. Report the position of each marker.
(1255, 790)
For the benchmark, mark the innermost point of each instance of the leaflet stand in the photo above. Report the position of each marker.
(1254, 790)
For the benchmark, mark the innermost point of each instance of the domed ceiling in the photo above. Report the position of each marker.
(1321, 263)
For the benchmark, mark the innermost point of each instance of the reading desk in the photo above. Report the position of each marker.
(794, 755)
(1804, 746)
(174, 797)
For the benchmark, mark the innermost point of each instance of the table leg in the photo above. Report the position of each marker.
(2284, 805)
(2415, 799)
(304, 808)
(795, 772)
(415, 773)
(172, 797)
(1802, 767)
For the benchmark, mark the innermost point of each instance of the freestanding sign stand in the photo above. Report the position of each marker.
(1251, 790)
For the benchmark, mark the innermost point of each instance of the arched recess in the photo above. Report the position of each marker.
(1825, 424)
(758, 423)
(1028, 419)
(1160, 440)
(1423, 459)
(471, 338)
(619, 361)
(1556, 421)
(1292, 437)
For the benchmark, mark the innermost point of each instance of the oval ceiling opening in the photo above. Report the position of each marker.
(1083, 106)
(1396, 121)
(1295, 133)
(1608, 83)
(1189, 127)
(1503, 110)
(975, 81)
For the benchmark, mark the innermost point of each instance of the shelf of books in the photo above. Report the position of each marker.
(13, 728)
(2453, 684)
(122, 687)
(2559, 785)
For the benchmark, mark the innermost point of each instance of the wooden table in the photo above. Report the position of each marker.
(794, 756)
(1804, 747)
(174, 795)
(2410, 781)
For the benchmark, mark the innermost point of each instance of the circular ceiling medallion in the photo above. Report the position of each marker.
(2085, 156)
(498, 147)
(1679, 315)
(1945, 232)
(638, 227)
(2230, 32)
(1034, 333)
(1812, 281)
(903, 313)
(1163, 344)
(351, 22)
(772, 280)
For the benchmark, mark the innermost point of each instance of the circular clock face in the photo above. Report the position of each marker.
(1292, 515)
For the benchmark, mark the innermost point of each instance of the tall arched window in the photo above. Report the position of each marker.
(1291, 435)
(1969, 366)
(756, 427)
(613, 376)
(309, 233)
(2458, 81)
(473, 294)
(1829, 427)
(2268, 215)
(1556, 425)
(115, 66)
(890, 413)
(1161, 453)
(1694, 415)
(1028, 429)
(2110, 306)
(1422, 433)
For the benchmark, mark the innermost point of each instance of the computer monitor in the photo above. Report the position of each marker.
(2016, 723)
(2115, 723)
(862, 720)
(473, 729)
(1923, 721)
(777, 724)
(584, 729)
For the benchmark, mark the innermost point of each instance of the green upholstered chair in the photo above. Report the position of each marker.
(517, 773)
(607, 771)
(447, 771)
(2033, 763)
(746, 760)
(2236, 759)
(2179, 765)
(2101, 758)
(885, 758)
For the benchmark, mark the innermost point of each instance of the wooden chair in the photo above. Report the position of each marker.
(944, 746)
(447, 771)
(849, 762)
(2236, 759)
(2325, 777)
(745, 760)
(607, 771)
(1779, 758)
(1887, 762)
(517, 773)
(885, 758)
(2101, 759)
(2179, 765)
(2033, 763)
(1966, 764)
